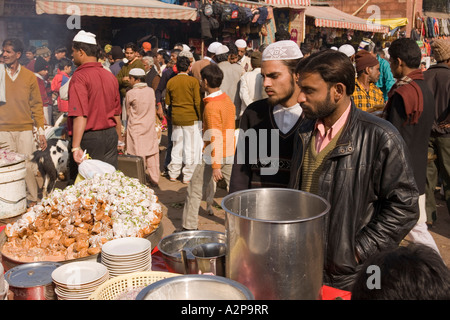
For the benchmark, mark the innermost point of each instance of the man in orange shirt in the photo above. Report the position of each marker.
(218, 151)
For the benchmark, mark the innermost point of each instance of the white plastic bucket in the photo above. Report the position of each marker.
(13, 190)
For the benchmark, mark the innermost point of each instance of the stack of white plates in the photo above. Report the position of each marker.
(127, 255)
(78, 280)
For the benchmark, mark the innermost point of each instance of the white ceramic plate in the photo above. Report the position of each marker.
(126, 246)
(79, 273)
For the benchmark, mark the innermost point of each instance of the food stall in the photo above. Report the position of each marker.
(101, 239)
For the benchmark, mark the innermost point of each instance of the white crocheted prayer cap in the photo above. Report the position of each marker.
(137, 72)
(85, 37)
(213, 46)
(240, 43)
(282, 50)
(222, 49)
(347, 49)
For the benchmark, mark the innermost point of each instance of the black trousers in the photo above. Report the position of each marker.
(100, 145)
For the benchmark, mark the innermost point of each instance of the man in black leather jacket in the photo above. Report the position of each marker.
(365, 175)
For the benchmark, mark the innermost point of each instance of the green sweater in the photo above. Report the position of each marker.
(23, 106)
(183, 95)
(314, 162)
(123, 84)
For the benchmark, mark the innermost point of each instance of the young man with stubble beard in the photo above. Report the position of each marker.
(268, 126)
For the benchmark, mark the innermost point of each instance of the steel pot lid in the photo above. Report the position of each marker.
(31, 274)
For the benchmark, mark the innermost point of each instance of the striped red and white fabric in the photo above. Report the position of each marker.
(330, 17)
(289, 3)
(146, 9)
(273, 3)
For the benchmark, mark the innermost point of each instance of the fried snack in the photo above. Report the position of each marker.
(76, 222)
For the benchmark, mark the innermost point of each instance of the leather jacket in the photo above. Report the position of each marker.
(369, 183)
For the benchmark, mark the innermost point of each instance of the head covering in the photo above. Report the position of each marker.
(441, 49)
(222, 49)
(186, 53)
(255, 59)
(147, 46)
(366, 43)
(43, 52)
(117, 53)
(213, 46)
(108, 48)
(365, 59)
(137, 72)
(85, 37)
(41, 64)
(240, 43)
(347, 49)
(186, 47)
(282, 50)
(334, 48)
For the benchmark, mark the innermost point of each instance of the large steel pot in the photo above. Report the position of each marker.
(32, 281)
(275, 241)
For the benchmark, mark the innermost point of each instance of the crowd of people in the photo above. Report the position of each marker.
(365, 129)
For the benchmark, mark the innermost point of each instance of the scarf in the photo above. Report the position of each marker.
(411, 95)
(2, 84)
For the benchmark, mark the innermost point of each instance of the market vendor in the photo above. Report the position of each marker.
(356, 161)
(94, 106)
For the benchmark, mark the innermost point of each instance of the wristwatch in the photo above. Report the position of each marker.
(75, 149)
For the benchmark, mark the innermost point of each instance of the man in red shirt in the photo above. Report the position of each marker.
(94, 106)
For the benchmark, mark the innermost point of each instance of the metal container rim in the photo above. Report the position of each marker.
(191, 277)
(324, 212)
(181, 233)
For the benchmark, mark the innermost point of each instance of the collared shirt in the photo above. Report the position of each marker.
(93, 93)
(323, 137)
(15, 75)
(214, 94)
(365, 100)
(286, 118)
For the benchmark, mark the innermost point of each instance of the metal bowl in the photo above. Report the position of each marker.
(195, 287)
(172, 245)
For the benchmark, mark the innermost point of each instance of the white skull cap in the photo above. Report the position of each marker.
(347, 49)
(213, 46)
(222, 49)
(85, 37)
(240, 43)
(138, 72)
(282, 50)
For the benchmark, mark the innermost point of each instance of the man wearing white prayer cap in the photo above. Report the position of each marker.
(243, 60)
(274, 121)
(142, 139)
(197, 66)
(94, 106)
(348, 50)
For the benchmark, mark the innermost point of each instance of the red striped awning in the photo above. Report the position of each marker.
(273, 3)
(289, 3)
(330, 17)
(145, 9)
